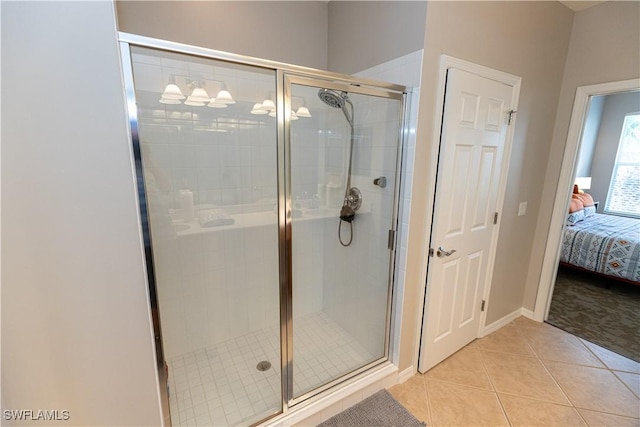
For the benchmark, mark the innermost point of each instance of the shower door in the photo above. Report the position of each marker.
(340, 269)
(209, 205)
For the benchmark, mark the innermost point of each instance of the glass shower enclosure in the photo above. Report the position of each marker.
(268, 202)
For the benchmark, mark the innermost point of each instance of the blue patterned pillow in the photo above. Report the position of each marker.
(575, 217)
(589, 210)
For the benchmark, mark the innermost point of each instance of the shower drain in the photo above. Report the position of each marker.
(263, 366)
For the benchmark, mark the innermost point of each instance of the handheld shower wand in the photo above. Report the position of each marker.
(352, 196)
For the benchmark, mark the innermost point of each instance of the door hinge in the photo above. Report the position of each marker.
(511, 113)
(495, 218)
(431, 252)
(392, 239)
(482, 306)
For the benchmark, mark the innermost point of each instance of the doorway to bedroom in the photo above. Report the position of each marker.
(596, 287)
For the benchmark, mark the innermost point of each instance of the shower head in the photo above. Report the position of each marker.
(337, 100)
(332, 98)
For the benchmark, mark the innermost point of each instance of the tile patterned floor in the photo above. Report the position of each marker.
(527, 374)
(220, 385)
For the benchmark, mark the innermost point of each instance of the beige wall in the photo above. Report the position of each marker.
(605, 47)
(365, 33)
(528, 39)
(294, 32)
(341, 36)
(76, 326)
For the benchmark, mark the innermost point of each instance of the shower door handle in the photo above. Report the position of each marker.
(442, 253)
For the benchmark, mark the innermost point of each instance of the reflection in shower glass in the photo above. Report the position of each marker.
(210, 174)
(340, 291)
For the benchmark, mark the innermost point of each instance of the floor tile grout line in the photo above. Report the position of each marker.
(495, 391)
(573, 364)
(555, 380)
(626, 385)
(504, 410)
(578, 408)
(544, 366)
(602, 361)
(560, 331)
(461, 385)
(426, 393)
(542, 362)
(486, 371)
(567, 405)
(524, 337)
(508, 353)
(566, 393)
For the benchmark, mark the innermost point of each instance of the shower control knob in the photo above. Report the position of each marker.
(381, 181)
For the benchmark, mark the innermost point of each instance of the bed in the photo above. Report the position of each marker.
(604, 244)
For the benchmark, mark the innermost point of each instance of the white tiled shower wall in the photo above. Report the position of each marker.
(356, 277)
(223, 160)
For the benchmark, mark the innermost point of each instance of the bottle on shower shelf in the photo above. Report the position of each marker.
(186, 204)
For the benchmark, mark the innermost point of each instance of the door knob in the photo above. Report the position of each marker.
(442, 253)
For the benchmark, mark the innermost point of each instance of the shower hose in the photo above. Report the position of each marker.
(350, 233)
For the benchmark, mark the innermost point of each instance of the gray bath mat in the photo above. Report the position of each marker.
(378, 410)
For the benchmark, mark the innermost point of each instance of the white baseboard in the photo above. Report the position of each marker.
(501, 322)
(406, 374)
(529, 314)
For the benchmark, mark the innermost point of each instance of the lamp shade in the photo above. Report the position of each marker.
(172, 91)
(583, 182)
(224, 97)
(199, 94)
(258, 109)
(303, 112)
(268, 105)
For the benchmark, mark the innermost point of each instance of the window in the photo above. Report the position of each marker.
(623, 197)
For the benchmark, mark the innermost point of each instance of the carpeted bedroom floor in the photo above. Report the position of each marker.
(599, 310)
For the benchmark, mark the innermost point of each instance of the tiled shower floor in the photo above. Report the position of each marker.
(220, 385)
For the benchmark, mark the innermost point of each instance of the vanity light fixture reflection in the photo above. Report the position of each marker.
(224, 97)
(258, 109)
(199, 97)
(303, 111)
(269, 107)
(172, 91)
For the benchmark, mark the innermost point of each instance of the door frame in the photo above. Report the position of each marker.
(449, 62)
(567, 173)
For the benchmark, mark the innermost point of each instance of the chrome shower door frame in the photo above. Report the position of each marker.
(286, 75)
(326, 81)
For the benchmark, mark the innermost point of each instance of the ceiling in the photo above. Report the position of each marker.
(578, 5)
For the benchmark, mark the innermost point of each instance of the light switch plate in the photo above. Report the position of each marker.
(522, 209)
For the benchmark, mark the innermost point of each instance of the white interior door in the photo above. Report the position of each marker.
(474, 134)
